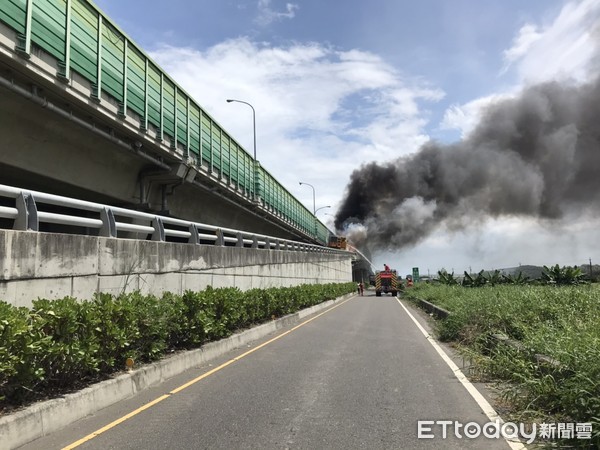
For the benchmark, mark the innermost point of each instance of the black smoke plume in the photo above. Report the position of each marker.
(537, 155)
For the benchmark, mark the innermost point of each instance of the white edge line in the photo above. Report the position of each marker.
(489, 411)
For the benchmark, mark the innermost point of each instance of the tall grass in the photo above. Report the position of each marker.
(561, 322)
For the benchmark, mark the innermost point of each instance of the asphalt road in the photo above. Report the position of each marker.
(359, 376)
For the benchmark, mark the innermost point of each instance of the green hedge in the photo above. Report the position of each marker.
(66, 343)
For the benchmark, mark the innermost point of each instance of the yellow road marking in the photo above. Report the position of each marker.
(113, 424)
(116, 422)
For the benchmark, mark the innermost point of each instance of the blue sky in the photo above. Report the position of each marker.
(454, 46)
(339, 83)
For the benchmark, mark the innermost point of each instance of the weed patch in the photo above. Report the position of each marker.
(559, 321)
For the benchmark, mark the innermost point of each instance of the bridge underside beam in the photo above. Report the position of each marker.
(40, 150)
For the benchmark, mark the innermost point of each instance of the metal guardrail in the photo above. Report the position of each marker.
(111, 221)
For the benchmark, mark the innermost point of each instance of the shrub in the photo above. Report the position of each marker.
(155, 320)
(59, 344)
(20, 347)
(71, 350)
(115, 326)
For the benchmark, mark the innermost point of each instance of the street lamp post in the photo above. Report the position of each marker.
(313, 189)
(315, 209)
(316, 220)
(229, 100)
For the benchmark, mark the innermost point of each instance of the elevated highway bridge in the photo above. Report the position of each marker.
(89, 119)
(87, 114)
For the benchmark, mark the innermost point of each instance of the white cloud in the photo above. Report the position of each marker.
(527, 37)
(320, 112)
(266, 15)
(562, 49)
(465, 117)
(566, 48)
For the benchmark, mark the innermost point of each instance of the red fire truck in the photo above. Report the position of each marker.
(387, 281)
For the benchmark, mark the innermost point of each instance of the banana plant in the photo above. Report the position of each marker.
(493, 278)
(471, 281)
(519, 279)
(562, 275)
(446, 278)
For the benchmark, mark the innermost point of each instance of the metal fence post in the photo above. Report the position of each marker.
(109, 225)
(159, 230)
(194, 235)
(27, 219)
(220, 241)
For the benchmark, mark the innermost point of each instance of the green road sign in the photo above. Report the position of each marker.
(415, 274)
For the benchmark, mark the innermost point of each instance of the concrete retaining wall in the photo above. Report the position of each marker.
(434, 310)
(49, 265)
